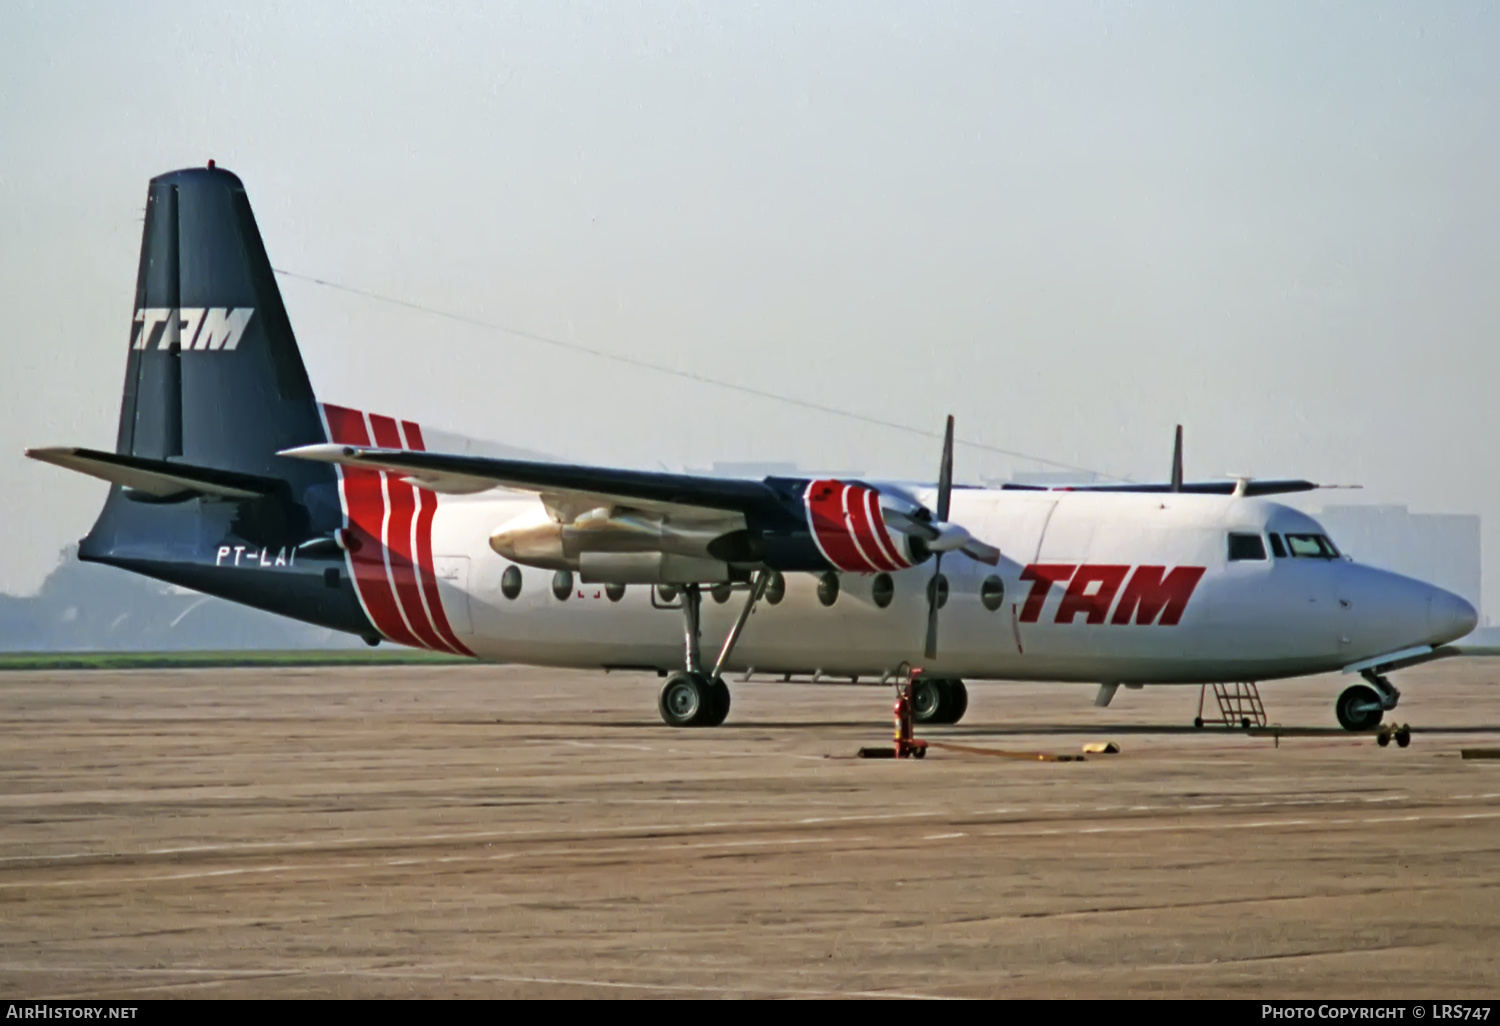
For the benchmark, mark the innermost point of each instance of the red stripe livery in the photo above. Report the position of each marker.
(388, 528)
(849, 528)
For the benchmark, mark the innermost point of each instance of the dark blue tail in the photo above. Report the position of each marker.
(214, 388)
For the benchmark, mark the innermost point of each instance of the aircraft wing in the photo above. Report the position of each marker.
(1251, 488)
(566, 488)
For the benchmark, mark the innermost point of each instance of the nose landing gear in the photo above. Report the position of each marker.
(1362, 707)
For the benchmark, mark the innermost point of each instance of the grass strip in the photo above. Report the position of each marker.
(382, 656)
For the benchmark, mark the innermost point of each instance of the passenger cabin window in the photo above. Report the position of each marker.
(1311, 546)
(1277, 548)
(1246, 546)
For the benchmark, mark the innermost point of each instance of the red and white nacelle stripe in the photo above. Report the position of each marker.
(849, 528)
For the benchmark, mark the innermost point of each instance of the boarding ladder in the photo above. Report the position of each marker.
(1239, 705)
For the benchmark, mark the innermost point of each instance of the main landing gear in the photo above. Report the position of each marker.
(938, 700)
(692, 697)
(1361, 707)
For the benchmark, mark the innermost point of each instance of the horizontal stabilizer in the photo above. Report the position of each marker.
(158, 478)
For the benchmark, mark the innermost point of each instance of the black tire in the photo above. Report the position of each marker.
(718, 711)
(1358, 708)
(958, 701)
(938, 700)
(1198, 722)
(683, 700)
(929, 700)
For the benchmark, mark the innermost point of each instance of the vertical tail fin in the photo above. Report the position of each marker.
(214, 389)
(214, 377)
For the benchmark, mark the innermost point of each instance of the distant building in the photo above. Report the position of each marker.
(756, 470)
(1440, 548)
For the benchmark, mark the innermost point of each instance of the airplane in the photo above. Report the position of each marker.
(231, 478)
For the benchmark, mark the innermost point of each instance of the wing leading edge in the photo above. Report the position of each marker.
(1250, 488)
(665, 492)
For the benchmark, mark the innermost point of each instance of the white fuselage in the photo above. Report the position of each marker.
(1246, 619)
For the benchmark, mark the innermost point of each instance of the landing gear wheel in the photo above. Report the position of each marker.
(958, 701)
(693, 700)
(684, 699)
(1359, 708)
(928, 698)
(938, 700)
(1403, 737)
(1198, 722)
(718, 692)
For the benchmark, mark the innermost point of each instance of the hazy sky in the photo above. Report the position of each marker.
(1071, 225)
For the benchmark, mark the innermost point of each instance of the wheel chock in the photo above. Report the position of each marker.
(1397, 732)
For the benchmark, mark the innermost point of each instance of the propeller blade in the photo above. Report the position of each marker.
(907, 524)
(944, 531)
(949, 537)
(976, 549)
(1177, 461)
(945, 473)
(932, 610)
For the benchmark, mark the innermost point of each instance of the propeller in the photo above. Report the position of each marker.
(944, 499)
(935, 532)
(1177, 461)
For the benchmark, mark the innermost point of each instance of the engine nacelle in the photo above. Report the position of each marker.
(853, 525)
(849, 526)
(631, 548)
(533, 539)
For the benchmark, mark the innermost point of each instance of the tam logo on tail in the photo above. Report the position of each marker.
(198, 328)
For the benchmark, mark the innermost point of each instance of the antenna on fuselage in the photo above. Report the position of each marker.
(1177, 461)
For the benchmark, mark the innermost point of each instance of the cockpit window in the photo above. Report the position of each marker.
(1277, 548)
(1246, 546)
(1311, 546)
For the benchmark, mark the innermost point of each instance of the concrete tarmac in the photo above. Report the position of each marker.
(507, 832)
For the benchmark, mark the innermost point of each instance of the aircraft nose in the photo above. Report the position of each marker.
(1449, 616)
